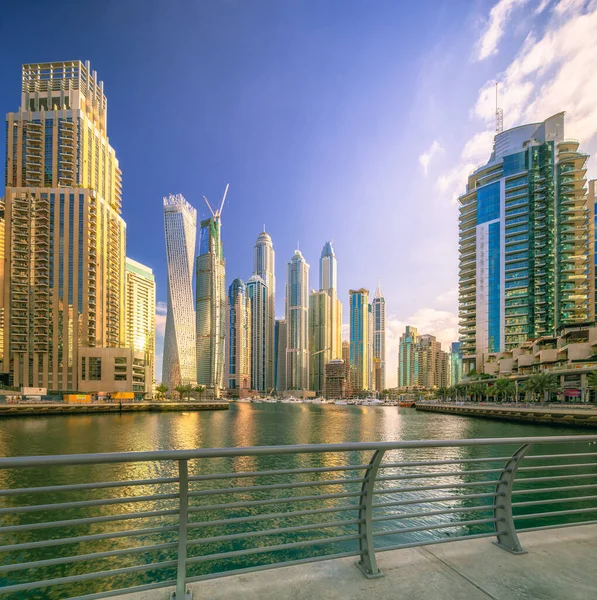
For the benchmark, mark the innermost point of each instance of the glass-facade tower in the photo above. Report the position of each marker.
(526, 240)
(379, 339)
(210, 302)
(238, 349)
(360, 363)
(297, 316)
(259, 300)
(264, 267)
(180, 226)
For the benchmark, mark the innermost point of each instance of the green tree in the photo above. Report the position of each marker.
(161, 390)
(504, 388)
(541, 385)
(477, 390)
(200, 389)
(180, 390)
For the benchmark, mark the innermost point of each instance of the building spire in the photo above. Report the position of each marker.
(378, 292)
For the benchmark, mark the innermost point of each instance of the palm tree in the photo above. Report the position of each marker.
(504, 387)
(542, 384)
(200, 389)
(477, 390)
(161, 390)
(180, 389)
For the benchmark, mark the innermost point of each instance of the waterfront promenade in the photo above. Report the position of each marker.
(572, 416)
(559, 564)
(24, 409)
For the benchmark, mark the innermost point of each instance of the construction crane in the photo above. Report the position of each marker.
(218, 213)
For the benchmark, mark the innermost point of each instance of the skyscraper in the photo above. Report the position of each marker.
(297, 314)
(140, 315)
(258, 298)
(379, 337)
(280, 341)
(263, 266)
(407, 375)
(180, 226)
(328, 275)
(455, 364)
(65, 238)
(359, 339)
(526, 240)
(238, 350)
(320, 338)
(211, 303)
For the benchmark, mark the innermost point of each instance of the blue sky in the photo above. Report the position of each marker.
(348, 120)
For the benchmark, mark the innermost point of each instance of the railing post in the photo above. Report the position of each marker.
(503, 504)
(368, 563)
(181, 592)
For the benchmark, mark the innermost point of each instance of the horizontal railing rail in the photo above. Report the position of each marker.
(102, 525)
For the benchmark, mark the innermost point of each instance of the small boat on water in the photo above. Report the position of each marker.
(406, 403)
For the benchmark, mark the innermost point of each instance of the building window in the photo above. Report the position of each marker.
(95, 368)
(83, 366)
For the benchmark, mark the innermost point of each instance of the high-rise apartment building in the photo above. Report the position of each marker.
(320, 338)
(360, 365)
(328, 282)
(526, 242)
(428, 363)
(379, 339)
(259, 300)
(180, 226)
(280, 341)
(140, 315)
(64, 279)
(238, 349)
(455, 364)
(297, 318)
(211, 306)
(2, 370)
(346, 352)
(407, 373)
(264, 267)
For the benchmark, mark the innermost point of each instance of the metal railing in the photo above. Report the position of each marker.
(101, 525)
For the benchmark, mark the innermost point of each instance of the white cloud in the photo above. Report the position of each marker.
(544, 4)
(550, 73)
(160, 318)
(425, 158)
(499, 16)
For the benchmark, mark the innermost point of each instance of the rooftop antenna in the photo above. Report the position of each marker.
(264, 228)
(499, 113)
(218, 213)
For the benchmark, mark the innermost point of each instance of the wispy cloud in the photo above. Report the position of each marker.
(427, 156)
(496, 27)
(160, 318)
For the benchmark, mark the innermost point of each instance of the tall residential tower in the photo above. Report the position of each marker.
(360, 371)
(64, 278)
(297, 312)
(526, 242)
(238, 349)
(264, 267)
(180, 225)
(379, 339)
(140, 315)
(211, 303)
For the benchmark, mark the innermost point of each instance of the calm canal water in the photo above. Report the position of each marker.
(248, 425)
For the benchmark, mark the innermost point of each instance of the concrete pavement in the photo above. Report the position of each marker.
(560, 564)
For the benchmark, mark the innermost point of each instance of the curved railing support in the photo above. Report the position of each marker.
(508, 539)
(367, 562)
(182, 593)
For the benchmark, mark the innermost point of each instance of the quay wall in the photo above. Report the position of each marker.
(23, 409)
(572, 417)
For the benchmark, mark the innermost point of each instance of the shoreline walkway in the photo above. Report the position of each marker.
(552, 415)
(559, 563)
(58, 408)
